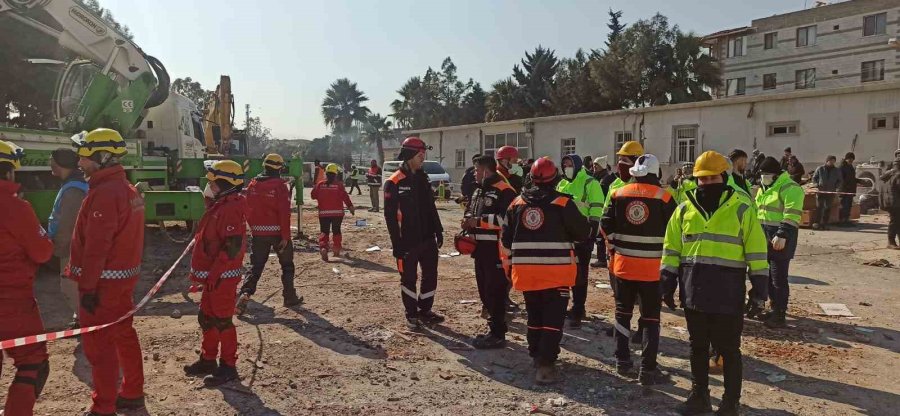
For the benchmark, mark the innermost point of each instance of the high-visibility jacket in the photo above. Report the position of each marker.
(493, 199)
(541, 231)
(586, 193)
(686, 185)
(332, 197)
(740, 184)
(24, 244)
(780, 203)
(635, 225)
(616, 184)
(270, 207)
(709, 255)
(225, 218)
(108, 241)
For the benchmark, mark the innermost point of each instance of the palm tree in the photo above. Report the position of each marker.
(342, 108)
(376, 130)
(507, 101)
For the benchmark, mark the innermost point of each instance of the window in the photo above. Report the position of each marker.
(770, 81)
(806, 78)
(492, 142)
(872, 71)
(460, 158)
(806, 36)
(622, 137)
(875, 24)
(685, 143)
(784, 128)
(567, 147)
(770, 40)
(884, 121)
(149, 124)
(735, 86)
(737, 47)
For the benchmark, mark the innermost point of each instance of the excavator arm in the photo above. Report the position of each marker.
(218, 118)
(127, 81)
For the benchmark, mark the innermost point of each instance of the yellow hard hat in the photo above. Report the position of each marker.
(332, 168)
(631, 148)
(274, 161)
(99, 139)
(12, 154)
(710, 163)
(227, 170)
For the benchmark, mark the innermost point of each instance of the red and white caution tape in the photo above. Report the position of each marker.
(34, 339)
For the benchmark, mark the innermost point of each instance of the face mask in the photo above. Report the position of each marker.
(208, 192)
(569, 172)
(767, 179)
(515, 170)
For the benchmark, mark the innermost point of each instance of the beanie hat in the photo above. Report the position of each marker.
(770, 165)
(65, 157)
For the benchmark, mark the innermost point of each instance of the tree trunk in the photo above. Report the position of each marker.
(379, 143)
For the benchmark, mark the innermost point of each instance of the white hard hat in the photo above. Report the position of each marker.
(645, 164)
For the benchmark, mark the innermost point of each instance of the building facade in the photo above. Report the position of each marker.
(814, 123)
(829, 46)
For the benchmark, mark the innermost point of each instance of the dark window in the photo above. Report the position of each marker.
(806, 36)
(771, 39)
(770, 81)
(872, 71)
(875, 24)
(149, 124)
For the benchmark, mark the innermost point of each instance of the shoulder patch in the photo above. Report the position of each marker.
(561, 201)
(397, 176)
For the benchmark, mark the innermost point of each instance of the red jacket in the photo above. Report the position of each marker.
(270, 207)
(108, 241)
(23, 244)
(227, 217)
(332, 198)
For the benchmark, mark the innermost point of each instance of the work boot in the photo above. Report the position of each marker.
(546, 374)
(291, 299)
(697, 403)
(651, 377)
(241, 305)
(729, 407)
(130, 404)
(598, 264)
(625, 368)
(776, 320)
(223, 374)
(488, 342)
(200, 367)
(893, 246)
(430, 318)
(324, 253)
(574, 319)
(413, 323)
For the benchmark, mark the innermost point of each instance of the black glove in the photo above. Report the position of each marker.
(89, 302)
(399, 253)
(669, 300)
(439, 239)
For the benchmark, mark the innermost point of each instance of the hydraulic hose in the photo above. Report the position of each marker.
(161, 93)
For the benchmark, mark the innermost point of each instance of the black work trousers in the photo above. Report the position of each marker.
(330, 224)
(846, 205)
(601, 251)
(894, 225)
(260, 247)
(492, 287)
(579, 291)
(424, 255)
(546, 316)
(723, 331)
(627, 292)
(779, 288)
(823, 208)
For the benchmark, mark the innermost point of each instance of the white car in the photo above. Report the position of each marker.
(434, 170)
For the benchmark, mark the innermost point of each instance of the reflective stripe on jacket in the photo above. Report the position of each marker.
(332, 198)
(635, 225)
(269, 201)
(780, 203)
(225, 218)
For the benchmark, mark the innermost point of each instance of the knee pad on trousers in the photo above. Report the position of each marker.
(205, 321)
(223, 324)
(42, 371)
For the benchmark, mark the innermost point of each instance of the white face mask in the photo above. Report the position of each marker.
(208, 192)
(569, 172)
(767, 179)
(515, 170)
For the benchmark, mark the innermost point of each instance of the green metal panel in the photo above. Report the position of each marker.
(173, 206)
(295, 170)
(42, 203)
(106, 105)
(138, 175)
(189, 168)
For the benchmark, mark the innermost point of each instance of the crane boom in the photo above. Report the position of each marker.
(218, 118)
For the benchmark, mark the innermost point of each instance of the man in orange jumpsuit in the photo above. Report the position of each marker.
(23, 246)
(107, 247)
(217, 265)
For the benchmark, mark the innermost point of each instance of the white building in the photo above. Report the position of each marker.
(832, 45)
(814, 123)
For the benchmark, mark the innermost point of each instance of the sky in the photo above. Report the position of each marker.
(283, 54)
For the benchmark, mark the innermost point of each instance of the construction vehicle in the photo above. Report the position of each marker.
(218, 120)
(114, 84)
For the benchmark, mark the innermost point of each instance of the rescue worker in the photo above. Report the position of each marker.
(737, 178)
(508, 166)
(494, 196)
(635, 224)
(354, 177)
(711, 241)
(627, 154)
(468, 185)
(318, 172)
(269, 201)
(332, 197)
(600, 173)
(217, 264)
(543, 227)
(373, 179)
(64, 165)
(23, 246)
(780, 204)
(416, 232)
(587, 195)
(107, 247)
(686, 184)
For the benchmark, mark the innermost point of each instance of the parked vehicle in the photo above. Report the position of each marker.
(436, 173)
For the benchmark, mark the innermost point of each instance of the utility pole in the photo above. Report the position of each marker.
(247, 117)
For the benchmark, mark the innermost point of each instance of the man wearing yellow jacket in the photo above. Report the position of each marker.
(780, 204)
(711, 241)
(588, 197)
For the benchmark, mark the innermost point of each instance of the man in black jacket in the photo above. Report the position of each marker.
(468, 185)
(416, 232)
(848, 188)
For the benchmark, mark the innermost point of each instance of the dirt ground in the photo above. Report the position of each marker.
(345, 351)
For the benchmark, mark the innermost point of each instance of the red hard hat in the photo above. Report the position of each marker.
(415, 143)
(464, 243)
(543, 170)
(507, 152)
